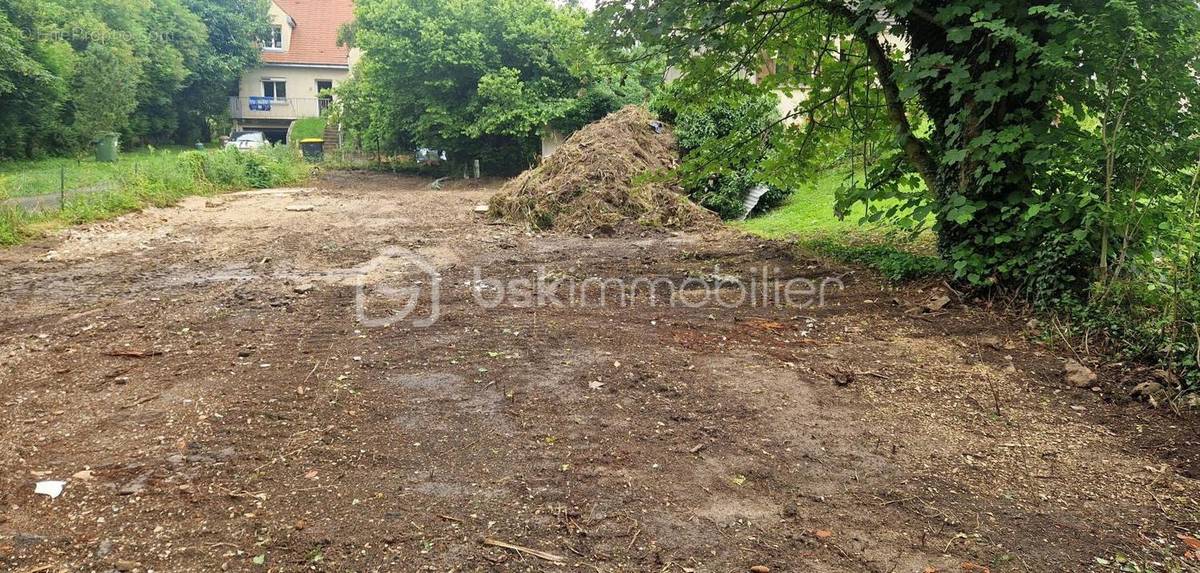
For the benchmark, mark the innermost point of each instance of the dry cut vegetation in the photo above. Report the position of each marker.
(604, 176)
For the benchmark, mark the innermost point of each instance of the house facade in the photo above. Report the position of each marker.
(301, 61)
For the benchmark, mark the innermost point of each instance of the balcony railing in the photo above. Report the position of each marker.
(271, 108)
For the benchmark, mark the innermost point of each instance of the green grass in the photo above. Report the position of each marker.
(808, 213)
(158, 179)
(808, 218)
(308, 128)
(44, 177)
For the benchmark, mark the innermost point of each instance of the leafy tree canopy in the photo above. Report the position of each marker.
(478, 78)
(1023, 131)
(153, 70)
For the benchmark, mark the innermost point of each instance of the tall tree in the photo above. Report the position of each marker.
(991, 105)
(232, 27)
(478, 78)
(30, 85)
(153, 70)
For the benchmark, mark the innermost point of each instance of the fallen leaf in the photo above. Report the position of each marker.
(767, 324)
(968, 566)
(823, 534)
(1190, 541)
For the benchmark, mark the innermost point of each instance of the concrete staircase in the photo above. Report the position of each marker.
(332, 137)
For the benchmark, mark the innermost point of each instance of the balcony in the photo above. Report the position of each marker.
(270, 108)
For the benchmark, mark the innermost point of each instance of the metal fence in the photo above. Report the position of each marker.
(57, 185)
(277, 108)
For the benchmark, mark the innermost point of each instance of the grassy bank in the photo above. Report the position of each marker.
(308, 128)
(46, 176)
(156, 178)
(809, 218)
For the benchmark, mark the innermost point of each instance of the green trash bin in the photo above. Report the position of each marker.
(313, 149)
(107, 146)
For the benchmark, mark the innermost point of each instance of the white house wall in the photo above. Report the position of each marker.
(301, 81)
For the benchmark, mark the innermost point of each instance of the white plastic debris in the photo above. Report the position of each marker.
(52, 488)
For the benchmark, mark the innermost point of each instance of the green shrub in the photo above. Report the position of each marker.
(271, 166)
(13, 221)
(225, 168)
(893, 263)
(724, 140)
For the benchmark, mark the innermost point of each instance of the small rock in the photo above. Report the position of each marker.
(212, 203)
(791, 510)
(85, 475)
(936, 304)
(300, 208)
(1078, 375)
(1165, 377)
(992, 342)
(104, 548)
(125, 565)
(1152, 392)
(481, 208)
(823, 534)
(134, 486)
(760, 569)
(842, 377)
(304, 288)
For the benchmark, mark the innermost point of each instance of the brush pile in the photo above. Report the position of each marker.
(611, 176)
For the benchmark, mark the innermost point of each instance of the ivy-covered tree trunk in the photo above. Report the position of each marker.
(986, 99)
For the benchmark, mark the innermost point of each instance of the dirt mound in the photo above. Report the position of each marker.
(609, 175)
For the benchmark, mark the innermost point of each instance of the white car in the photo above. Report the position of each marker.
(247, 140)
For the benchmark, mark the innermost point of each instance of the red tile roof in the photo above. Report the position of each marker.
(314, 39)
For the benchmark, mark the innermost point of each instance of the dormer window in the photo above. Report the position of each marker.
(275, 40)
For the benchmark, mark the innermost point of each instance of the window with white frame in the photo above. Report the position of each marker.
(274, 88)
(275, 40)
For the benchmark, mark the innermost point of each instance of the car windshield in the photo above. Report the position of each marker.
(248, 136)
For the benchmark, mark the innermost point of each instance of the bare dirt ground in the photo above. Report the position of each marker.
(207, 416)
